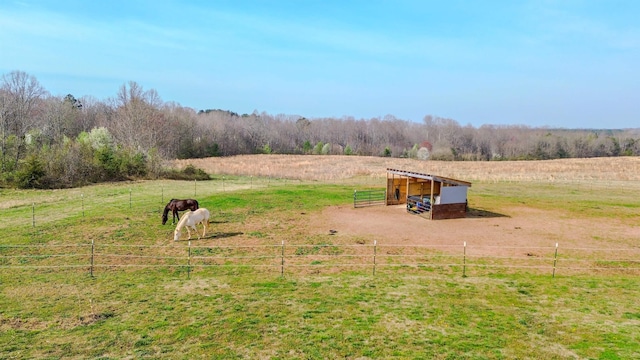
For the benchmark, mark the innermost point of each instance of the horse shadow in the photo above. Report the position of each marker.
(218, 221)
(480, 213)
(217, 235)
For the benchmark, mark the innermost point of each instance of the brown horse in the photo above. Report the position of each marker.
(175, 205)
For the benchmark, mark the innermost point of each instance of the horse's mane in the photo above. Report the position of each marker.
(168, 206)
(183, 220)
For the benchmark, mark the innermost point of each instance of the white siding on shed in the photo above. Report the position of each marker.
(453, 195)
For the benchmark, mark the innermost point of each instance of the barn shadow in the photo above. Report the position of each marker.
(480, 213)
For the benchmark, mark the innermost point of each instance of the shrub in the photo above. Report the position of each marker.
(348, 150)
(190, 172)
(31, 173)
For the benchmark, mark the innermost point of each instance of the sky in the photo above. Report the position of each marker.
(545, 63)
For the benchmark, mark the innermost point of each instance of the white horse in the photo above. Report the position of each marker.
(189, 220)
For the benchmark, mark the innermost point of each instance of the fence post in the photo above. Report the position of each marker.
(189, 262)
(195, 182)
(82, 199)
(33, 214)
(92, 257)
(282, 260)
(555, 260)
(375, 242)
(464, 260)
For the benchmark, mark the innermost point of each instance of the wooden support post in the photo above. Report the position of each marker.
(92, 257)
(189, 262)
(282, 260)
(432, 203)
(375, 251)
(464, 260)
(555, 260)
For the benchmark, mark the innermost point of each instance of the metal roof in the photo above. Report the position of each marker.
(436, 178)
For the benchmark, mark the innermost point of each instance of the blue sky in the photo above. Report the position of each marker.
(569, 64)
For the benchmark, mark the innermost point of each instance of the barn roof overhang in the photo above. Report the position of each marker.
(435, 178)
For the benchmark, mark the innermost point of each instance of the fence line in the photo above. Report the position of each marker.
(286, 256)
(123, 197)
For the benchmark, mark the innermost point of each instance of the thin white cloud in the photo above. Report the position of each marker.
(457, 58)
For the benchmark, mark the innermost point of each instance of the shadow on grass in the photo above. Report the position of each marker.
(218, 221)
(218, 235)
(479, 213)
(221, 235)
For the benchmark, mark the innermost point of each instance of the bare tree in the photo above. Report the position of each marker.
(60, 118)
(138, 122)
(20, 94)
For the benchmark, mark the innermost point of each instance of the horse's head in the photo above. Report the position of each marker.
(176, 235)
(165, 217)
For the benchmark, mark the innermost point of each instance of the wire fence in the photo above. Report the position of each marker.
(292, 259)
(36, 209)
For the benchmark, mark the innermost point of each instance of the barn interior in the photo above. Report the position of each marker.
(430, 196)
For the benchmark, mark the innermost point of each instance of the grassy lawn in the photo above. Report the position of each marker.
(238, 312)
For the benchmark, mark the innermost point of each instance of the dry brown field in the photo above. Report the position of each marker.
(335, 167)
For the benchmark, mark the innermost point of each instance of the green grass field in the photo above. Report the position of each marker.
(170, 311)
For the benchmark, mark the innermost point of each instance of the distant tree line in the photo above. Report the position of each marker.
(63, 141)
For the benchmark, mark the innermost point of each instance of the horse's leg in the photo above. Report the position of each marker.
(195, 229)
(204, 230)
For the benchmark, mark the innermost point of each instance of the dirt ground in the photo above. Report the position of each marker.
(521, 231)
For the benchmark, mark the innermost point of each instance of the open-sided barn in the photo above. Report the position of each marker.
(431, 196)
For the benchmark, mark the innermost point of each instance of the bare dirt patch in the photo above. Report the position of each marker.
(522, 231)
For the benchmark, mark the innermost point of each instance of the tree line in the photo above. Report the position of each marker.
(52, 141)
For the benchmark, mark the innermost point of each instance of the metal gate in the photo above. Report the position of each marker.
(363, 198)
